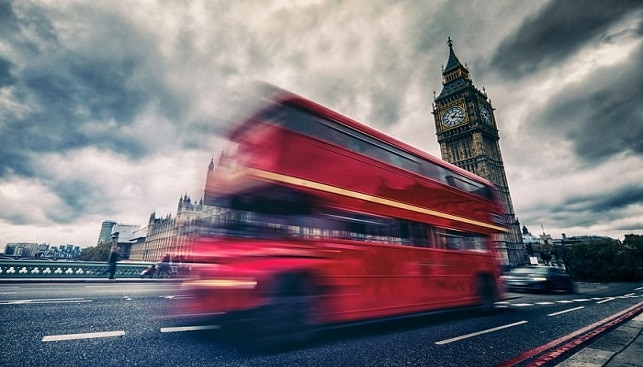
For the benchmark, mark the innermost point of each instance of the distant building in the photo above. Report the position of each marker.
(528, 238)
(138, 237)
(175, 235)
(41, 250)
(22, 249)
(122, 235)
(105, 234)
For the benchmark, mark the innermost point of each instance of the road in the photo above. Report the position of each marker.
(131, 324)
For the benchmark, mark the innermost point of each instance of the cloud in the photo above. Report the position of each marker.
(556, 33)
(71, 79)
(111, 110)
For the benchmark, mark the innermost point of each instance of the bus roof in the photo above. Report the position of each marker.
(279, 95)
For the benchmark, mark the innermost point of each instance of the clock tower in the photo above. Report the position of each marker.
(468, 136)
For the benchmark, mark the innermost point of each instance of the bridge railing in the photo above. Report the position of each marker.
(17, 269)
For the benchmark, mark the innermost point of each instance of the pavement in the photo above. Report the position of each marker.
(614, 342)
(619, 347)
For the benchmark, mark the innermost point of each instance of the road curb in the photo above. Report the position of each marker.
(551, 351)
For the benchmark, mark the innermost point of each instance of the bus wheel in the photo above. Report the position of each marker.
(486, 293)
(288, 318)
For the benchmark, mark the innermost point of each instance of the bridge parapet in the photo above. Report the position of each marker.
(16, 269)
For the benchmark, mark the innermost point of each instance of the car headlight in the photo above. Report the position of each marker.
(538, 279)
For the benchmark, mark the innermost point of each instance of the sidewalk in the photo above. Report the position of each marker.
(622, 346)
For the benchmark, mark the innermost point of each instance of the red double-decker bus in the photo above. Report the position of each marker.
(323, 220)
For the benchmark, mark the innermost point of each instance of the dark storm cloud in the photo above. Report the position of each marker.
(556, 33)
(79, 198)
(601, 116)
(587, 210)
(616, 199)
(101, 77)
(6, 78)
(8, 19)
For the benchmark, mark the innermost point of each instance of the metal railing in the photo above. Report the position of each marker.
(20, 269)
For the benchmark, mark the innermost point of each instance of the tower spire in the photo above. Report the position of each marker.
(454, 71)
(453, 62)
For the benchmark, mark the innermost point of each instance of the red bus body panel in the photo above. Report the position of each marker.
(356, 279)
(360, 280)
(270, 148)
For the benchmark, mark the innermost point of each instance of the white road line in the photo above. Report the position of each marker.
(446, 341)
(131, 290)
(179, 297)
(565, 311)
(105, 334)
(545, 303)
(565, 301)
(41, 301)
(606, 300)
(189, 328)
(523, 304)
(582, 300)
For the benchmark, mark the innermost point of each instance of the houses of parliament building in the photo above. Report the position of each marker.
(467, 132)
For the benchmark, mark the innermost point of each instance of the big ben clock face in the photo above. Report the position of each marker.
(453, 116)
(486, 115)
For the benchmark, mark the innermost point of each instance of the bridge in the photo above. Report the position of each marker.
(48, 269)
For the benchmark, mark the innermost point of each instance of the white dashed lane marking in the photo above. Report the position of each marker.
(565, 311)
(189, 328)
(446, 341)
(506, 304)
(105, 334)
(39, 301)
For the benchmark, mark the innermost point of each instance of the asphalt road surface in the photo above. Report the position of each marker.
(133, 324)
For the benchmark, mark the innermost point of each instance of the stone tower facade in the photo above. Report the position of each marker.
(468, 136)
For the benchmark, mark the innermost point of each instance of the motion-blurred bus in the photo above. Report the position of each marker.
(323, 220)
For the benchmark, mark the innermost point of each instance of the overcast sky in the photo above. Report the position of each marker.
(110, 110)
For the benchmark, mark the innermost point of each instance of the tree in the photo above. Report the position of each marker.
(530, 249)
(562, 253)
(634, 242)
(632, 258)
(607, 260)
(97, 253)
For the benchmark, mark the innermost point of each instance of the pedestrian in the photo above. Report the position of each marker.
(113, 258)
(149, 272)
(164, 267)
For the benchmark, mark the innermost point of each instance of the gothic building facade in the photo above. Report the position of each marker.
(467, 132)
(174, 235)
